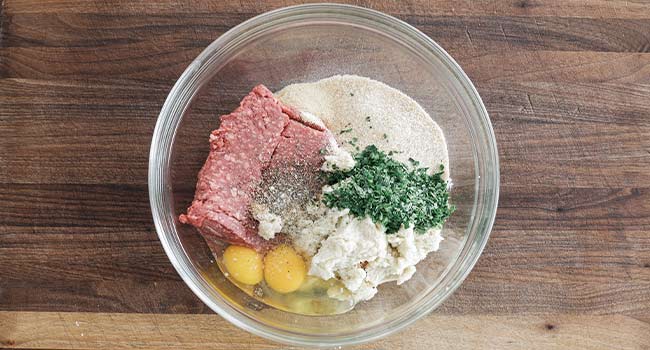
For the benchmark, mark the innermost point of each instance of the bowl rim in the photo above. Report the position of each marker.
(157, 174)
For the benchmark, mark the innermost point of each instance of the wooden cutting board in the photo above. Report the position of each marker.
(566, 83)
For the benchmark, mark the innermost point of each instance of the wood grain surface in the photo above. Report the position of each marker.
(567, 86)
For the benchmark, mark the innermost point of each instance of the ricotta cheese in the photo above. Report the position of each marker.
(337, 158)
(309, 232)
(362, 256)
(269, 223)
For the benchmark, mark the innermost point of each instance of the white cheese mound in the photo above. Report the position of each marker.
(352, 242)
(269, 223)
(310, 231)
(337, 158)
(361, 255)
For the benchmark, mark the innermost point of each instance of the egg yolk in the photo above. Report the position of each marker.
(284, 269)
(243, 264)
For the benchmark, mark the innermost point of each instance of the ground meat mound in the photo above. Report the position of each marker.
(259, 140)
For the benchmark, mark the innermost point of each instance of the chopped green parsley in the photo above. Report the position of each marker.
(390, 193)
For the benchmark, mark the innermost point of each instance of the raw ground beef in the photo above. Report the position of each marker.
(262, 136)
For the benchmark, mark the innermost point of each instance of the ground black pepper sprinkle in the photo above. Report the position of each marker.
(281, 190)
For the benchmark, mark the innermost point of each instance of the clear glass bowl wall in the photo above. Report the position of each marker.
(303, 44)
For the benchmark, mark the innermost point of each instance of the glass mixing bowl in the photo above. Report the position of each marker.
(302, 44)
